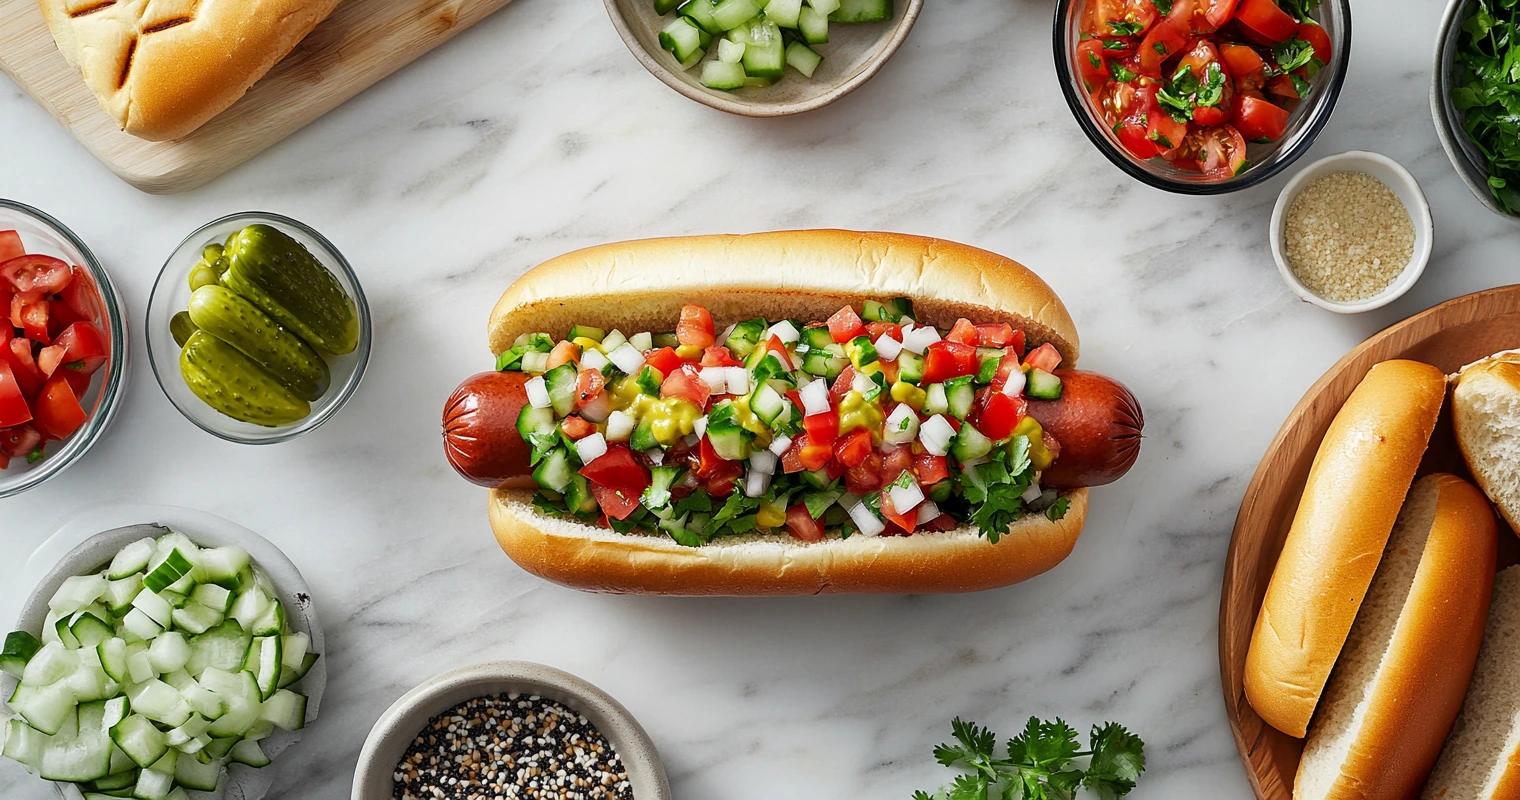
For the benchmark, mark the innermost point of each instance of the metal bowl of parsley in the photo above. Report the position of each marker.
(1202, 96)
(1475, 97)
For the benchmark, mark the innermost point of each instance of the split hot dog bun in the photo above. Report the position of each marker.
(1486, 415)
(809, 275)
(1404, 670)
(1355, 488)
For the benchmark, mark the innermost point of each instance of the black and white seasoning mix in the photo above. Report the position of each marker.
(511, 746)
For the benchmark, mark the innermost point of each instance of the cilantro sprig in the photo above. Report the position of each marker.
(1044, 762)
(1185, 93)
(1487, 94)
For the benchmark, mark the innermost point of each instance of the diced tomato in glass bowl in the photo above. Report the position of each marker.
(62, 348)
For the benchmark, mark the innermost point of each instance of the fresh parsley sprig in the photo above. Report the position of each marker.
(1042, 763)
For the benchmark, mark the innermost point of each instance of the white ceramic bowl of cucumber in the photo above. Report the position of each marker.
(183, 721)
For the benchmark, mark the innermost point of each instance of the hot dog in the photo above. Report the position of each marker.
(832, 412)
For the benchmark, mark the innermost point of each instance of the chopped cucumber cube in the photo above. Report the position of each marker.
(19, 648)
(862, 11)
(722, 75)
(132, 559)
(802, 58)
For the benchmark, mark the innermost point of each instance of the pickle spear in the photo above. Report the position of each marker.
(236, 385)
(234, 320)
(275, 273)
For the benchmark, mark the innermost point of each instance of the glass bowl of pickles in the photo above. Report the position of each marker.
(257, 329)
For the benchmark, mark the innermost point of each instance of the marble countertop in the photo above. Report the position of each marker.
(536, 133)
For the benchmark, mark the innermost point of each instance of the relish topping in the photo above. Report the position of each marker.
(866, 423)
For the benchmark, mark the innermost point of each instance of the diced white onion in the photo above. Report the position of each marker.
(927, 511)
(619, 426)
(627, 358)
(593, 359)
(1032, 493)
(902, 425)
(727, 332)
(936, 434)
(538, 393)
(866, 520)
(785, 331)
(781, 444)
(920, 339)
(906, 498)
(591, 448)
(716, 379)
(888, 348)
(641, 342)
(1015, 384)
(699, 428)
(598, 409)
(691, 439)
(756, 483)
(907, 328)
(862, 383)
(815, 398)
(656, 455)
(763, 461)
(974, 461)
(738, 380)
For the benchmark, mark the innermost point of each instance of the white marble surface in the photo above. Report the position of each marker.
(536, 133)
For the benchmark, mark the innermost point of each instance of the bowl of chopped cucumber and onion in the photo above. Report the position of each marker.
(167, 661)
(764, 58)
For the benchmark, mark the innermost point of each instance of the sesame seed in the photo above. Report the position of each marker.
(1347, 236)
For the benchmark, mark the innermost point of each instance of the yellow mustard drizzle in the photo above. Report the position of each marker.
(670, 418)
(1039, 454)
(855, 412)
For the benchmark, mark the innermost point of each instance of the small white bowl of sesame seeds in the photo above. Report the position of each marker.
(1351, 232)
(509, 729)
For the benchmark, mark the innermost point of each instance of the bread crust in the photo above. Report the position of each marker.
(1503, 367)
(1424, 676)
(161, 69)
(641, 285)
(593, 559)
(1355, 489)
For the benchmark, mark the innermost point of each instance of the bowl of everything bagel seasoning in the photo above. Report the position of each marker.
(1351, 232)
(508, 731)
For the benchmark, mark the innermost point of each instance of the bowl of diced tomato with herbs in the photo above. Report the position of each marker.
(1202, 96)
(63, 348)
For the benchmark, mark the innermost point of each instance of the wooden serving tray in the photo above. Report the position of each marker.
(1449, 336)
(362, 42)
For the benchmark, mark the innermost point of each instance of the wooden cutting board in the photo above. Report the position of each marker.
(362, 42)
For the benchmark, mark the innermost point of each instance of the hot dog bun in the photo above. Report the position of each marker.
(810, 274)
(1400, 679)
(1355, 488)
(1485, 413)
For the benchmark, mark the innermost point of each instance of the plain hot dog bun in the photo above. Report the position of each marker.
(1406, 665)
(1355, 488)
(809, 275)
(1481, 759)
(1485, 411)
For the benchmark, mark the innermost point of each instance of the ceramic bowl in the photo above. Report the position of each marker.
(94, 552)
(400, 724)
(1444, 74)
(1266, 160)
(171, 295)
(853, 54)
(1395, 177)
(41, 233)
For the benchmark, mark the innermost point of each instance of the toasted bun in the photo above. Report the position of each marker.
(1400, 679)
(1481, 760)
(162, 69)
(642, 285)
(599, 560)
(1355, 488)
(1486, 414)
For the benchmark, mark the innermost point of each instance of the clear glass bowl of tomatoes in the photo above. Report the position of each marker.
(1202, 96)
(63, 348)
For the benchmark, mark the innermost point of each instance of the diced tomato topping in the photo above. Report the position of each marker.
(696, 327)
(963, 332)
(563, 353)
(36, 273)
(664, 359)
(577, 427)
(997, 414)
(930, 469)
(618, 469)
(1209, 115)
(79, 296)
(876, 330)
(20, 441)
(1265, 18)
(894, 462)
(822, 428)
(907, 520)
(13, 407)
(717, 356)
(852, 448)
(944, 360)
(19, 355)
(78, 381)
(717, 474)
(845, 325)
(57, 411)
(791, 460)
(1092, 64)
(687, 384)
(50, 358)
(801, 525)
(1315, 35)
(588, 385)
(1244, 64)
(842, 385)
(708, 460)
(1218, 12)
(85, 347)
(775, 345)
(994, 335)
(10, 246)
(1045, 357)
(615, 503)
(1258, 119)
(1161, 43)
(864, 477)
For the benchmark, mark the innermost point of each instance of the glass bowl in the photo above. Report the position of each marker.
(171, 295)
(41, 233)
(1265, 160)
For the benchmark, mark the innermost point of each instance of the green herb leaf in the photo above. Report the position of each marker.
(1292, 54)
(1044, 762)
(1114, 44)
(1124, 28)
(1163, 6)
(1057, 510)
(1121, 73)
(1301, 10)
